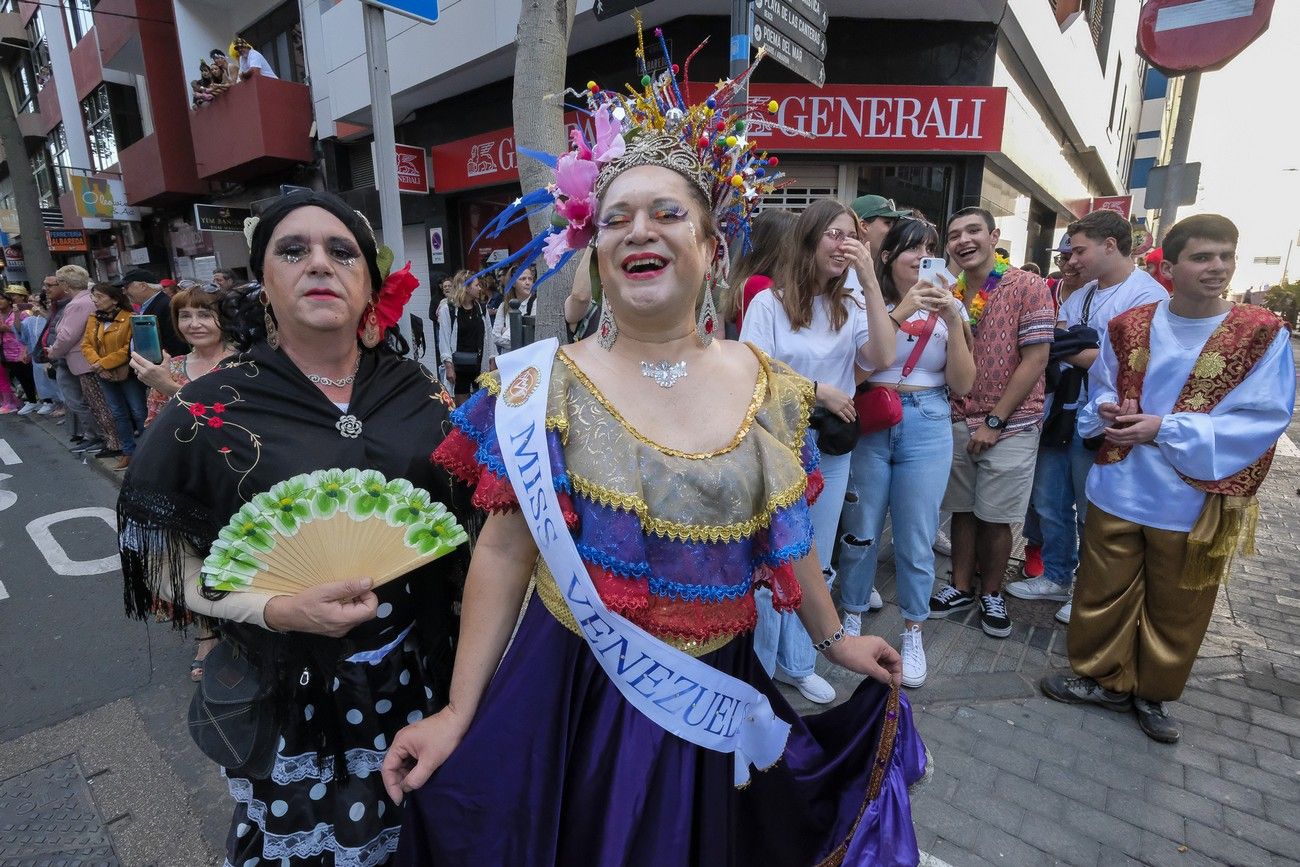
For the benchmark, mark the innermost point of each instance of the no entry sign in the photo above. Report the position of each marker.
(1178, 36)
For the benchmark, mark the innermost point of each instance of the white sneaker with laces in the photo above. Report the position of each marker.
(813, 687)
(942, 544)
(29, 408)
(852, 623)
(876, 603)
(1063, 613)
(913, 652)
(46, 409)
(1038, 588)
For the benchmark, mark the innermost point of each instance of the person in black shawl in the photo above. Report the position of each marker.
(348, 666)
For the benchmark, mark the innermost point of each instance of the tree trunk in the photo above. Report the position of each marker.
(541, 58)
(27, 201)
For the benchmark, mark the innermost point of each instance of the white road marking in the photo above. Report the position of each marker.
(7, 498)
(7, 454)
(1202, 12)
(4, 594)
(928, 860)
(60, 562)
(1286, 448)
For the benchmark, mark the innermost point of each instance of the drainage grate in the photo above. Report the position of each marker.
(48, 818)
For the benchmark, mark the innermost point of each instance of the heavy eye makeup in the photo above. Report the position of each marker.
(295, 248)
(660, 210)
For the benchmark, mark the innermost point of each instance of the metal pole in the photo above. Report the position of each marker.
(381, 114)
(740, 38)
(1178, 151)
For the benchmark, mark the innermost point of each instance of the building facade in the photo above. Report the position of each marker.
(120, 155)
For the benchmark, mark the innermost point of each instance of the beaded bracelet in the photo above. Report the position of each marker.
(825, 644)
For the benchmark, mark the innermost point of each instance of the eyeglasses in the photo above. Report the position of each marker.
(837, 235)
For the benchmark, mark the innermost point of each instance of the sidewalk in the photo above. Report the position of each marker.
(1022, 780)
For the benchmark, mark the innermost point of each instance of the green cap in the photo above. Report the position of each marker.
(870, 207)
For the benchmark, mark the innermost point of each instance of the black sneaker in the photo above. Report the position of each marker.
(950, 599)
(76, 439)
(108, 453)
(1073, 689)
(994, 620)
(1156, 722)
(88, 446)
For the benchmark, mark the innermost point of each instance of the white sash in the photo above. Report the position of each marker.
(681, 694)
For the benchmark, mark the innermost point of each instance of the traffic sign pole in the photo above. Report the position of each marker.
(740, 46)
(381, 116)
(1178, 149)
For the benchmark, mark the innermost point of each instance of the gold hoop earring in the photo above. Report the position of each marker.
(370, 335)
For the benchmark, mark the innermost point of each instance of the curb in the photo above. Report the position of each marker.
(52, 428)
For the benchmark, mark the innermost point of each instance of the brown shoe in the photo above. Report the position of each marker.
(122, 462)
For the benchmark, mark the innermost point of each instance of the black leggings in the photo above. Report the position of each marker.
(21, 372)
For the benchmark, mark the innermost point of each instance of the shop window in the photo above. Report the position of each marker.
(112, 117)
(24, 79)
(278, 36)
(79, 18)
(57, 148)
(40, 49)
(918, 186)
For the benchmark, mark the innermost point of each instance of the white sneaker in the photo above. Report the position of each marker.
(813, 687)
(852, 623)
(46, 409)
(29, 408)
(942, 544)
(1038, 588)
(913, 658)
(1063, 613)
(875, 603)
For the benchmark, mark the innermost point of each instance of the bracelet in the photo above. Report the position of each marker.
(825, 644)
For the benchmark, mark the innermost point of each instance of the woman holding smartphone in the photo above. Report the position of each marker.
(196, 316)
(903, 469)
(107, 347)
(813, 322)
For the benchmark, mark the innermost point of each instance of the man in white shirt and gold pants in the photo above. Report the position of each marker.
(1191, 394)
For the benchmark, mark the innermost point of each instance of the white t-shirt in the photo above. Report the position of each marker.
(254, 59)
(1138, 288)
(929, 370)
(814, 351)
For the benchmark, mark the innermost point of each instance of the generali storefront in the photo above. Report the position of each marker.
(922, 146)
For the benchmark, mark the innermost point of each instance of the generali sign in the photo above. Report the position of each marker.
(837, 118)
(412, 173)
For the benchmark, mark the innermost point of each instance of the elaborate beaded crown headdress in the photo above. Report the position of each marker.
(705, 142)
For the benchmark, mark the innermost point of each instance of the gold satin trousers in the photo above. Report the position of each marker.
(1132, 628)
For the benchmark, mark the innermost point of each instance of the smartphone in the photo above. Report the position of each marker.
(931, 268)
(144, 337)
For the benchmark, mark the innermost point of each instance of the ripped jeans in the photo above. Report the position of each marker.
(904, 470)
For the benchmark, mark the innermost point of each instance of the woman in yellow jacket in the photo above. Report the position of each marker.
(107, 347)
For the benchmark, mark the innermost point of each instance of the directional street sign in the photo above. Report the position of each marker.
(783, 16)
(794, 33)
(424, 11)
(1177, 36)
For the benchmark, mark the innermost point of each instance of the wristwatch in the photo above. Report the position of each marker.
(993, 422)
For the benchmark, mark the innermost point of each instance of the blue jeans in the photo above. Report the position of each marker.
(126, 399)
(904, 470)
(1061, 501)
(779, 637)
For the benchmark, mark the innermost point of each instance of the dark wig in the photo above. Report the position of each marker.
(283, 206)
(904, 235)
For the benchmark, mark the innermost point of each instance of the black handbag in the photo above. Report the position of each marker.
(835, 436)
(232, 715)
(465, 359)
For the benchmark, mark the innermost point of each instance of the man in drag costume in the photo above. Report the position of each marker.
(664, 474)
(339, 668)
(1191, 395)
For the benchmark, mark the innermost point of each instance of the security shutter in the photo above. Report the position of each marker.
(807, 182)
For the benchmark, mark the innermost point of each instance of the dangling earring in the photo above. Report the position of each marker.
(707, 322)
(272, 332)
(607, 330)
(370, 335)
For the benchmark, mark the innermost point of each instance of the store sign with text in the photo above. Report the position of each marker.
(102, 199)
(834, 118)
(66, 240)
(219, 218)
(412, 170)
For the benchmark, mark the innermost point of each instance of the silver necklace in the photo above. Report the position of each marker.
(664, 374)
(337, 383)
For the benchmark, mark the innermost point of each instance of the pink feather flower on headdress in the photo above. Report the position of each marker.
(575, 184)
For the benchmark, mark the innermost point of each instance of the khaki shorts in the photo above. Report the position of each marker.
(996, 483)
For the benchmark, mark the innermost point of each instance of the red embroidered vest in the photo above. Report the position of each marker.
(1229, 355)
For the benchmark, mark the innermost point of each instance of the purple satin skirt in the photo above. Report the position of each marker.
(558, 770)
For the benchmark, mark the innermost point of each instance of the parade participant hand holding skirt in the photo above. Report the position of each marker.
(345, 665)
(666, 475)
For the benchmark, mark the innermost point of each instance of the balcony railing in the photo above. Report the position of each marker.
(257, 127)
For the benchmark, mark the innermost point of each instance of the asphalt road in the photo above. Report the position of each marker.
(73, 669)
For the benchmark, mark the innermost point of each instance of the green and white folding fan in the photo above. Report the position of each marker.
(330, 525)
